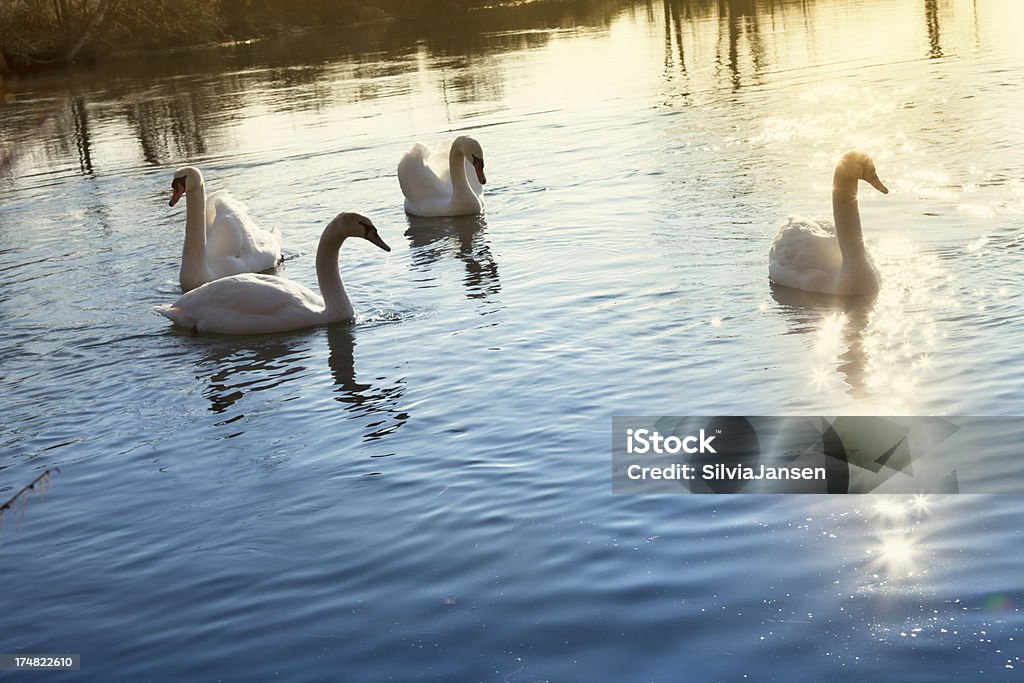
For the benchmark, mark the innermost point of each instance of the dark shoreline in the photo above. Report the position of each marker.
(57, 49)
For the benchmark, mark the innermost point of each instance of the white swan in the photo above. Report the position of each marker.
(254, 303)
(434, 188)
(829, 256)
(220, 237)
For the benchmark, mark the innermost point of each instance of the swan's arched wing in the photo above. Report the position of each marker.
(234, 242)
(226, 219)
(437, 160)
(422, 177)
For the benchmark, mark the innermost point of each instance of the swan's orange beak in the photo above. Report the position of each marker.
(177, 189)
(876, 183)
(478, 166)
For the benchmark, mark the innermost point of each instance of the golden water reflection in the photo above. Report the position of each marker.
(515, 56)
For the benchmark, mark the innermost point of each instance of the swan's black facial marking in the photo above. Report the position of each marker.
(371, 235)
(478, 166)
(871, 177)
(177, 189)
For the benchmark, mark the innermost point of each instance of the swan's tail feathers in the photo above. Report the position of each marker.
(262, 248)
(168, 311)
(273, 243)
(175, 315)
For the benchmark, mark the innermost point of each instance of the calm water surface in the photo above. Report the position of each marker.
(425, 495)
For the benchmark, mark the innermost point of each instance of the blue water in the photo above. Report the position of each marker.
(426, 494)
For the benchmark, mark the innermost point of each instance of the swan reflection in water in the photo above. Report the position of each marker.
(838, 324)
(881, 345)
(363, 400)
(462, 237)
(233, 371)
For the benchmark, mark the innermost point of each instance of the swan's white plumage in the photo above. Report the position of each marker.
(828, 255)
(246, 304)
(221, 238)
(805, 254)
(231, 234)
(253, 303)
(445, 181)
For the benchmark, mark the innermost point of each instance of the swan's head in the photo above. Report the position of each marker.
(185, 178)
(856, 166)
(475, 153)
(354, 225)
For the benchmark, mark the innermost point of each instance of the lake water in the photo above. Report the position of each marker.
(426, 495)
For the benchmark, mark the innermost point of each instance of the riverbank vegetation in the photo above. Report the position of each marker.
(36, 34)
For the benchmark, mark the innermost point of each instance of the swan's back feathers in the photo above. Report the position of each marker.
(805, 254)
(253, 293)
(247, 303)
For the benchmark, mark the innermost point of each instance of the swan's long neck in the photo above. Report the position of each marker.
(193, 254)
(847, 217)
(457, 171)
(336, 303)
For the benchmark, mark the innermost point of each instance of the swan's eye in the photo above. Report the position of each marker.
(477, 161)
(366, 226)
(178, 183)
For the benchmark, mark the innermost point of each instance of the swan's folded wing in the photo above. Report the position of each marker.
(418, 178)
(254, 294)
(250, 302)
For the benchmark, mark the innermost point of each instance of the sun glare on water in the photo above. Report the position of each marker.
(896, 549)
(883, 349)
